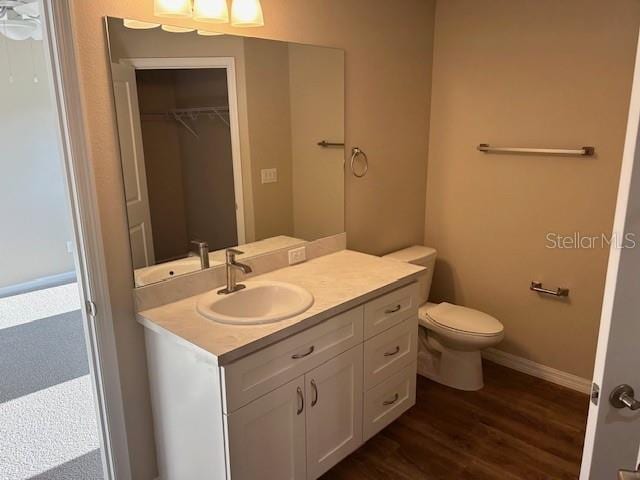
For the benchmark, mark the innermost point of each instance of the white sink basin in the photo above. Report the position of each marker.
(260, 302)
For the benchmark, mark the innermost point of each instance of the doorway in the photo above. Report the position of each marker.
(49, 426)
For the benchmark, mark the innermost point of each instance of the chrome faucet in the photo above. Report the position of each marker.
(203, 253)
(232, 265)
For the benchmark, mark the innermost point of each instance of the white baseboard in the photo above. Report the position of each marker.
(38, 284)
(538, 370)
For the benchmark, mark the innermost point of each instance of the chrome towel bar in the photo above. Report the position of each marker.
(559, 292)
(584, 151)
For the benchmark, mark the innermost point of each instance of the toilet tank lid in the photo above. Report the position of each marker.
(412, 254)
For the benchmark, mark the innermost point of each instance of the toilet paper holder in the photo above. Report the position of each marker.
(558, 292)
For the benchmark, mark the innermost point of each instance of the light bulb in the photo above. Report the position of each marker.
(214, 11)
(174, 29)
(138, 24)
(172, 8)
(246, 13)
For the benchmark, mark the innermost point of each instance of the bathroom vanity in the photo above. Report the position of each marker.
(237, 142)
(289, 399)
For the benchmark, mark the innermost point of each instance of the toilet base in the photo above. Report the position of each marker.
(456, 369)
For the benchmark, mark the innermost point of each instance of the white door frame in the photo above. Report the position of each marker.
(60, 54)
(228, 63)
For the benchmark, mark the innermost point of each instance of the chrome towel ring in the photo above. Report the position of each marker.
(355, 153)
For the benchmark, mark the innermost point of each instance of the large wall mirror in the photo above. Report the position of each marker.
(219, 141)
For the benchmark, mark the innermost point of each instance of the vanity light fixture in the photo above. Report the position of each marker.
(174, 29)
(214, 11)
(172, 8)
(139, 24)
(244, 13)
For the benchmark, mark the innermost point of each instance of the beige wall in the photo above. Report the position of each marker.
(267, 80)
(539, 73)
(316, 85)
(388, 65)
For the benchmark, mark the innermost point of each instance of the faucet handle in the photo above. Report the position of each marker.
(231, 253)
(199, 243)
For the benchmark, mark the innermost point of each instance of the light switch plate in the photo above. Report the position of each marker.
(297, 255)
(269, 175)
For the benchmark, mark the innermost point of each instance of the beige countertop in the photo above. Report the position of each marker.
(338, 282)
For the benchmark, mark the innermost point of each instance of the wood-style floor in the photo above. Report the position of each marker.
(517, 427)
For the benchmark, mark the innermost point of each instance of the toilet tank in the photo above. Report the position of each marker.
(418, 255)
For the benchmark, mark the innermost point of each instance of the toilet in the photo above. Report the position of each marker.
(451, 337)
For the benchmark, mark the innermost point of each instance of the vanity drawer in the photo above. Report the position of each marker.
(390, 309)
(390, 352)
(388, 400)
(263, 371)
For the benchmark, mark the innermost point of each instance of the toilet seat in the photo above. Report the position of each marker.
(461, 319)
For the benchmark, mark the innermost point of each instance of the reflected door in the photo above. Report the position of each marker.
(133, 168)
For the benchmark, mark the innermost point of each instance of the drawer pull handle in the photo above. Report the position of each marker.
(394, 309)
(315, 393)
(391, 354)
(301, 398)
(302, 355)
(391, 402)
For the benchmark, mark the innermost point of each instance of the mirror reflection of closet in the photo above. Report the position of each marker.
(219, 142)
(187, 142)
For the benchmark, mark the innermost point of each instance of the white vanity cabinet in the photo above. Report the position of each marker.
(334, 411)
(267, 437)
(302, 428)
(291, 410)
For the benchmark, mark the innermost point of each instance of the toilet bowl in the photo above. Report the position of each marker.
(451, 337)
(451, 341)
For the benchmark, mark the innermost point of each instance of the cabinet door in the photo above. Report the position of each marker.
(266, 438)
(334, 412)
